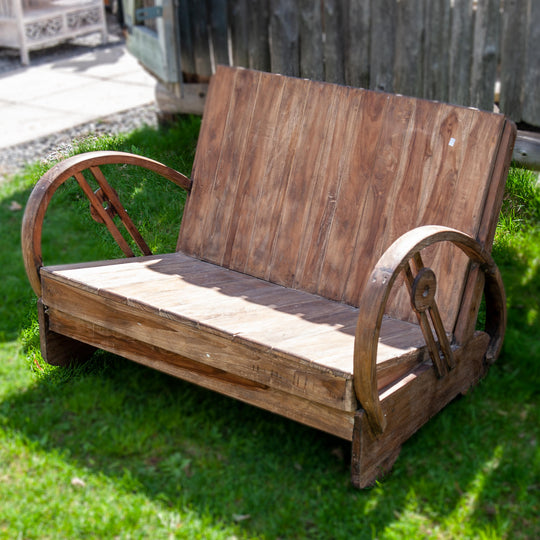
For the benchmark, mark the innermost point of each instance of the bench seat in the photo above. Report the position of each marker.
(300, 343)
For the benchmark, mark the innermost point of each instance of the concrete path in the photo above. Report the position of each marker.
(48, 97)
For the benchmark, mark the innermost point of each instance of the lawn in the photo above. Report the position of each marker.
(116, 450)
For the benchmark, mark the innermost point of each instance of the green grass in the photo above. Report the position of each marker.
(115, 450)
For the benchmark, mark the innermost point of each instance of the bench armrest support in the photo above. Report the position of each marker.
(375, 296)
(73, 167)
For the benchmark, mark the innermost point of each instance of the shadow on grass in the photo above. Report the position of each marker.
(192, 448)
(475, 462)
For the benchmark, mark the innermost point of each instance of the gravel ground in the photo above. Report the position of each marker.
(58, 145)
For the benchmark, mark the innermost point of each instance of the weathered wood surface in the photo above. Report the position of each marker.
(318, 223)
(448, 50)
(407, 406)
(308, 209)
(309, 412)
(44, 190)
(374, 298)
(286, 339)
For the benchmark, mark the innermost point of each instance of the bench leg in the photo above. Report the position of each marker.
(408, 405)
(370, 460)
(59, 350)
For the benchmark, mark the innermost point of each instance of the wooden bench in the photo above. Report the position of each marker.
(331, 261)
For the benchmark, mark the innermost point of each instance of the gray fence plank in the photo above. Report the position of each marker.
(460, 58)
(311, 45)
(238, 18)
(485, 54)
(436, 50)
(334, 61)
(217, 11)
(513, 46)
(531, 90)
(258, 40)
(200, 39)
(357, 43)
(186, 47)
(382, 45)
(408, 64)
(284, 32)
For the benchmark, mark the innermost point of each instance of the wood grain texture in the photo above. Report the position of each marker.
(291, 340)
(377, 291)
(309, 412)
(306, 184)
(407, 405)
(44, 190)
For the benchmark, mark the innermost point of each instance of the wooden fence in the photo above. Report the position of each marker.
(449, 50)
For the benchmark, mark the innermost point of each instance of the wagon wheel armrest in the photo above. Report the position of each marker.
(73, 167)
(375, 296)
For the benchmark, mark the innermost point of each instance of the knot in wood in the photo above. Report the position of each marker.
(423, 289)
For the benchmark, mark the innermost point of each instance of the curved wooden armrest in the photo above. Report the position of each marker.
(104, 202)
(375, 296)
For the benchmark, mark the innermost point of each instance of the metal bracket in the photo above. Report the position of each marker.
(145, 13)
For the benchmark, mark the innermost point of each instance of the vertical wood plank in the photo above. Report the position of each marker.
(408, 76)
(334, 61)
(258, 39)
(306, 166)
(311, 46)
(284, 31)
(383, 44)
(513, 50)
(277, 176)
(436, 51)
(214, 130)
(186, 44)
(238, 20)
(357, 28)
(219, 32)
(531, 102)
(460, 61)
(485, 54)
(259, 148)
(332, 172)
(200, 37)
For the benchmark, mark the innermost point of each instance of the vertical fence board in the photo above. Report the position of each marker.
(460, 60)
(258, 40)
(408, 64)
(485, 54)
(513, 44)
(382, 45)
(311, 45)
(449, 50)
(186, 48)
(334, 64)
(531, 103)
(238, 18)
(217, 11)
(357, 43)
(284, 32)
(200, 39)
(436, 49)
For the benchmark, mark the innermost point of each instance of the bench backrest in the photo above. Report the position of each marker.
(305, 184)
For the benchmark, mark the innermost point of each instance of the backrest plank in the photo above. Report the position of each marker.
(306, 184)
